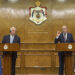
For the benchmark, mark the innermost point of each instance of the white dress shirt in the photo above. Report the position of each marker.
(65, 36)
(11, 38)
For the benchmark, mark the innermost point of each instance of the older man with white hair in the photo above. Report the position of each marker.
(63, 37)
(12, 38)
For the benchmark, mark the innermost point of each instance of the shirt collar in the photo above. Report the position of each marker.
(12, 35)
(65, 34)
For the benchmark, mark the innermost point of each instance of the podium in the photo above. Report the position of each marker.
(68, 48)
(7, 58)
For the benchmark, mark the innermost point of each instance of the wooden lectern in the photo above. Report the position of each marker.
(68, 48)
(7, 61)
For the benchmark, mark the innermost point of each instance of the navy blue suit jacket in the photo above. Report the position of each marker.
(6, 39)
(61, 40)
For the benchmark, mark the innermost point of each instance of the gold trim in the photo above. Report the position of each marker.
(38, 3)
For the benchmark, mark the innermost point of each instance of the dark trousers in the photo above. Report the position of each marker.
(61, 64)
(62, 61)
(13, 65)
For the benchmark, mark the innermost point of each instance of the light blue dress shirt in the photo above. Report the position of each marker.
(11, 38)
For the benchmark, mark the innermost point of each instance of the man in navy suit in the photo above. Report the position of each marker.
(12, 38)
(63, 37)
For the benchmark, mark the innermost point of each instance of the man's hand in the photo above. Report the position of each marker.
(58, 34)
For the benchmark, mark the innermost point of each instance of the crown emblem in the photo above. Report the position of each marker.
(38, 3)
(38, 14)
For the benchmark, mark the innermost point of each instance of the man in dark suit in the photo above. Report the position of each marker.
(63, 37)
(12, 38)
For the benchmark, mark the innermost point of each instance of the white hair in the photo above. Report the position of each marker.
(12, 28)
(64, 26)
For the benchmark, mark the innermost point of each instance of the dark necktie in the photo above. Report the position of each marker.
(65, 37)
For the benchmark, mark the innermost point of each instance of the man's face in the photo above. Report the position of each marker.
(64, 29)
(13, 31)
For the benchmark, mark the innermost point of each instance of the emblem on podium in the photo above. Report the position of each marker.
(38, 14)
(5, 47)
(69, 46)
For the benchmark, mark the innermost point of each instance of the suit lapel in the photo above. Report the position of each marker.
(67, 37)
(14, 39)
(8, 38)
(62, 37)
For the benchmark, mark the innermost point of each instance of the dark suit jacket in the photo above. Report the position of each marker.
(6, 39)
(61, 40)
